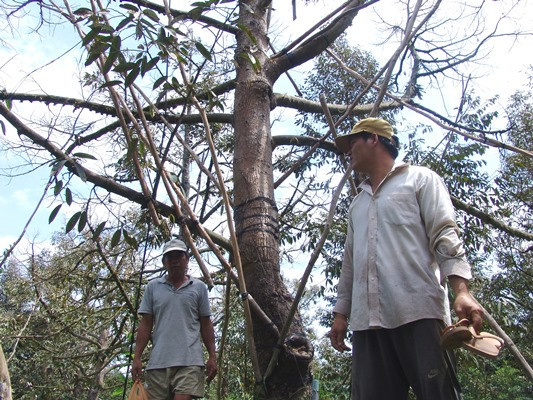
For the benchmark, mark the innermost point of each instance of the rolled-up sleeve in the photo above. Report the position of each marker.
(439, 218)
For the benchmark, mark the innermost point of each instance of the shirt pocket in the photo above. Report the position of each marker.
(400, 209)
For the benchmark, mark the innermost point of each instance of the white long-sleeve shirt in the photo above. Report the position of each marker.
(402, 242)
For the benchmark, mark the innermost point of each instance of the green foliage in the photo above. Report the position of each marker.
(336, 84)
(333, 370)
(235, 372)
(65, 322)
(494, 381)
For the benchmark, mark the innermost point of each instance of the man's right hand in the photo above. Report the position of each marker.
(136, 369)
(337, 334)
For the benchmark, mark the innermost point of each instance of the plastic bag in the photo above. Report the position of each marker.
(138, 392)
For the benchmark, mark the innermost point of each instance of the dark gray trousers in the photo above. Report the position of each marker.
(386, 362)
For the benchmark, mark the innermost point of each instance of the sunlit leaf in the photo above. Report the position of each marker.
(130, 240)
(84, 155)
(248, 33)
(129, 7)
(151, 14)
(201, 48)
(56, 167)
(80, 171)
(82, 221)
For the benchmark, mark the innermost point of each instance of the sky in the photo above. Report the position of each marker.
(502, 73)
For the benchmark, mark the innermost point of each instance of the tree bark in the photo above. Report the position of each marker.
(5, 381)
(256, 214)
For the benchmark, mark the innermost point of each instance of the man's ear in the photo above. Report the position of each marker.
(374, 138)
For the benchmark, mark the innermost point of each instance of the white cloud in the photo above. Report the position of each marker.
(22, 198)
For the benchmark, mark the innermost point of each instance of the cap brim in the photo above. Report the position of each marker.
(343, 142)
(175, 249)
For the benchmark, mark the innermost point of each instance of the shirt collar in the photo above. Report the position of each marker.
(397, 167)
(164, 280)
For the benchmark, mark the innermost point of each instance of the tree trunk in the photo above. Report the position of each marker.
(256, 215)
(5, 381)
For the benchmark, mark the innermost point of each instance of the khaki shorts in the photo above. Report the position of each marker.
(163, 383)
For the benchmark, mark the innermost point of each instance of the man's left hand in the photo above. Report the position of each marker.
(466, 306)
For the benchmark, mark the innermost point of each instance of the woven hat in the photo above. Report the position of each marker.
(174, 245)
(373, 125)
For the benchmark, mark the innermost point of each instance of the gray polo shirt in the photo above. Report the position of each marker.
(176, 338)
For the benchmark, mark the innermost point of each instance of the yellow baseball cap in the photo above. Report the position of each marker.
(373, 125)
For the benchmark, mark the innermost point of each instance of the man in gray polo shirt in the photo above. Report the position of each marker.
(175, 314)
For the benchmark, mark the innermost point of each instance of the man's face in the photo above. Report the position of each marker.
(358, 153)
(176, 261)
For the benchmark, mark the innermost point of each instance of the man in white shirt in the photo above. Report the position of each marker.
(402, 246)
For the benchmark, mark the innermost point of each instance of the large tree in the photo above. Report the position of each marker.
(150, 127)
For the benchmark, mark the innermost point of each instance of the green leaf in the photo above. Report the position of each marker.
(93, 56)
(248, 33)
(53, 214)
(68, 196)
(57, 187)
(130, 240)
(98, 230)
(84, 155)
(124, 22)
(253, 61)
(80, 171)
(124, 66)
(173, 177)
(82, 221)
(72, 222)
(56, 167)
(130, 78)
(114, 52)
(90, 36)
(151, 14)
(132, 146)
(82, 12)
(159, 82)
(129, 7)
(110, 83)
(116, 237)
(145, 67)
(201, 48)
